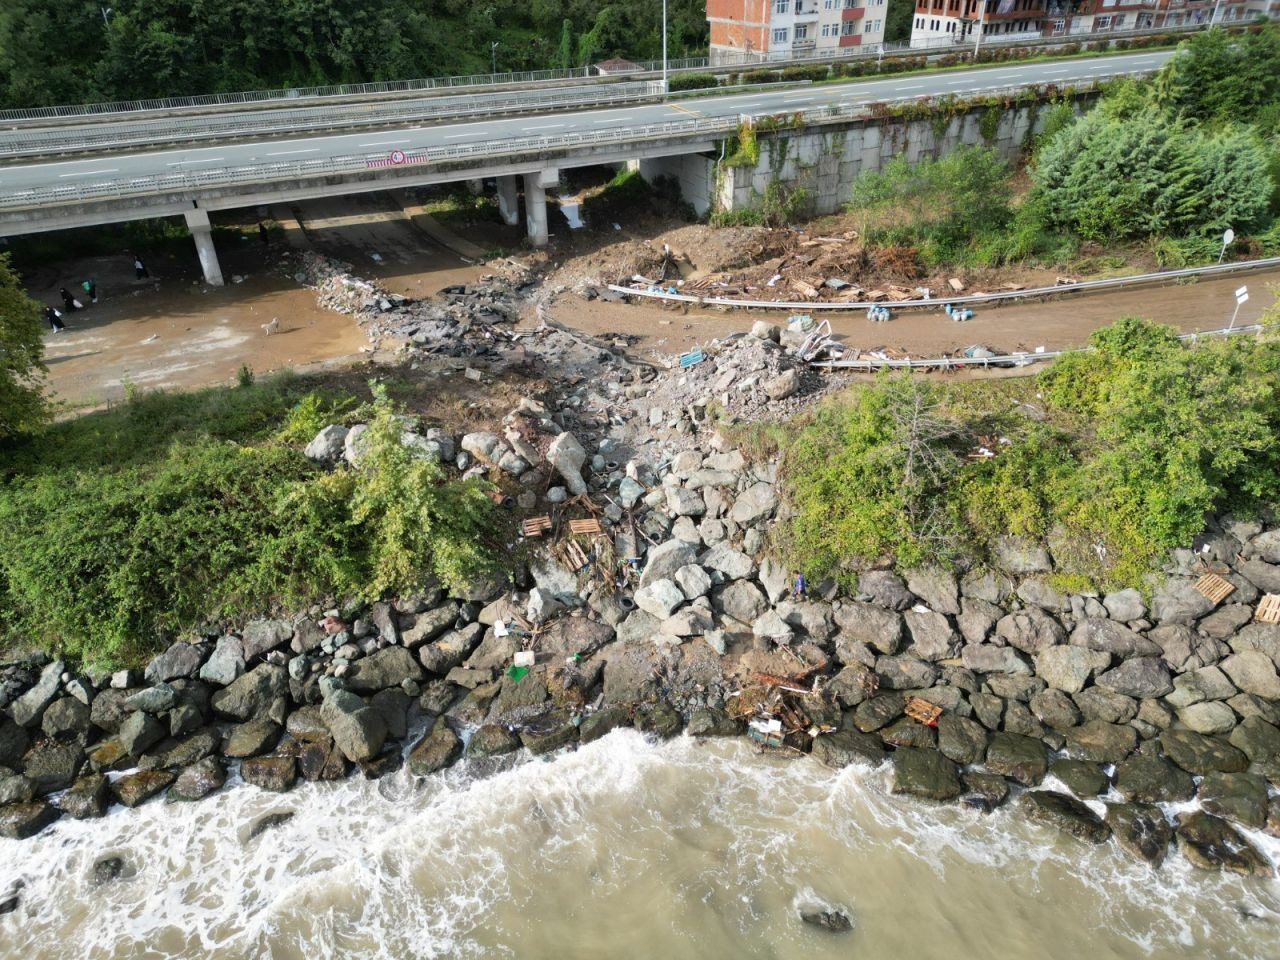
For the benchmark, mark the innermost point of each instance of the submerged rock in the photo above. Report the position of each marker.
(926, 774)
(1066, 813)
(18, 821)
(439, 748)
(837, 921)
(277, 774)
(1140, 829)
(137, 788)
(198, 780)
(1213, 844)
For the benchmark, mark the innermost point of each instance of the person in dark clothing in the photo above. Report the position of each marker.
(140, 268)
(90, 287)
(55, 319)
(70, 302)
(262, 234)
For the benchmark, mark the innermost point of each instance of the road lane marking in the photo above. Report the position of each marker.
(456, 136)
(178, 163)
(915, 86)
(285, 153)
(90, 173)
(676, 106)
(611, 120)
(545, 126)
(383, 143)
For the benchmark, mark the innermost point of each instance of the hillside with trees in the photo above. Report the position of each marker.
(78, 51)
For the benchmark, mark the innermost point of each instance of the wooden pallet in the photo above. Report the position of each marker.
(584, 528)
(1268, 609)
(1214, 587)
(535, 526)
(922, 711)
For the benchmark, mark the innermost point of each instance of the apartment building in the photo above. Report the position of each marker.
(938, 22)
(746, 30)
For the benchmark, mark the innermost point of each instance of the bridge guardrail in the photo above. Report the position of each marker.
(157, 131)
(188, 181)
(295, 94)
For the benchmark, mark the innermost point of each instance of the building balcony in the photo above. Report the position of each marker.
(853, 40)
(853, 13)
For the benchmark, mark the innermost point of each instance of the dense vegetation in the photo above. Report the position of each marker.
(22, 368)
(1112, 456)
(1172, 162)
(122, 527)
(78, 51)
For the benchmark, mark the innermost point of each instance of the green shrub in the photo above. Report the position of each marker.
(692, 81)
(106, 555)
(815, 72)
(22, 369)
(760, 76)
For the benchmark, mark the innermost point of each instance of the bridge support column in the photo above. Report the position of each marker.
(535, 208)
(508, 200)
(201, 232)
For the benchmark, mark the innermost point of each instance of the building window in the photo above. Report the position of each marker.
(933, 25)
(846, 28)
(850, 4)
(828, 4)
(802, 31)
(782, 6)
(780, 36)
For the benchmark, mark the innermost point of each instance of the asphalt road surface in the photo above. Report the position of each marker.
(14, 180)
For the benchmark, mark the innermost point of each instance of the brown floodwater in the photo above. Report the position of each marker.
(621, 849)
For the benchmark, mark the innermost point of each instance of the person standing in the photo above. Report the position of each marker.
(90, 287)
(55, 319)
(70, 302)
(140, 268)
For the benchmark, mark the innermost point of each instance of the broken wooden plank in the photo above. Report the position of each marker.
(1268, 609)
(584, 528)
(535, 526)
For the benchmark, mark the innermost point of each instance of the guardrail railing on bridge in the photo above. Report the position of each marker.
(294, 95)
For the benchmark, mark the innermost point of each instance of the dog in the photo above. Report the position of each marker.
(273, 327)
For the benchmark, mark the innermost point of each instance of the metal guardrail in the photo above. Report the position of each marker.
(64, 140)
(188, 181)
(1023, 359)
(290, 95)
(1028, 294)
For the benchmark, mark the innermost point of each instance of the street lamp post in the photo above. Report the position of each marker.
(664, 46)
(1214, 17)
(493, 51)
(982, 10)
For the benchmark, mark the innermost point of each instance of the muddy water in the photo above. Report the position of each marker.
(620, 849)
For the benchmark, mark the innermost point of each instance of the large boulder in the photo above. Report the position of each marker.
(198, 780)
(1241, 797)
(961, 739)
(388, 667)
(1196, 686)
(1212, 716)
(1101, 742)
(937, 588)
(844, 747)
(138, 732)
(1145, 779)
(1125, 605)
(566, 454)
(358, 729)
(179, 661)
(253, 693)
(734, 564)
(1111, 637)
(1262, 637)
(665, 559)
(1082, 778)
(439, 748)
(1066, 814)
(66, 717)
(925, 774)
(1253, 672)
(1141, 829)
(1030, 630)
(931, 635)
(755, 503)
(660, 598)
(226, 663)
(251, 738)
(865, 623)
(1069, 668)
(1140, 677)
(741, 600)
(28, 709)
(260, 637)
(987, 658)
(88, 797)
(1178, 601)
(327, 445)
(277, 774)
(1019, 758)
(1200, 754)
(886, 589)
(19, 821)
(905, 673)
(977, 619)
(1213, 844)
(1257, 739)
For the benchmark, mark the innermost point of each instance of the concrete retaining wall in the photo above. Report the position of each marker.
(827, 161)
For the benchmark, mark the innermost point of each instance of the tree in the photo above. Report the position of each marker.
(897, 22)
(566, 45)
(22, 369)
(1222, 77)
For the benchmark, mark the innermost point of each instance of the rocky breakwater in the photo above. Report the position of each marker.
(662, 607)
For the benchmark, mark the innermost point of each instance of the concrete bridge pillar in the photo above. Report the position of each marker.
(201, 232)
(508, 200)
(535, 208)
